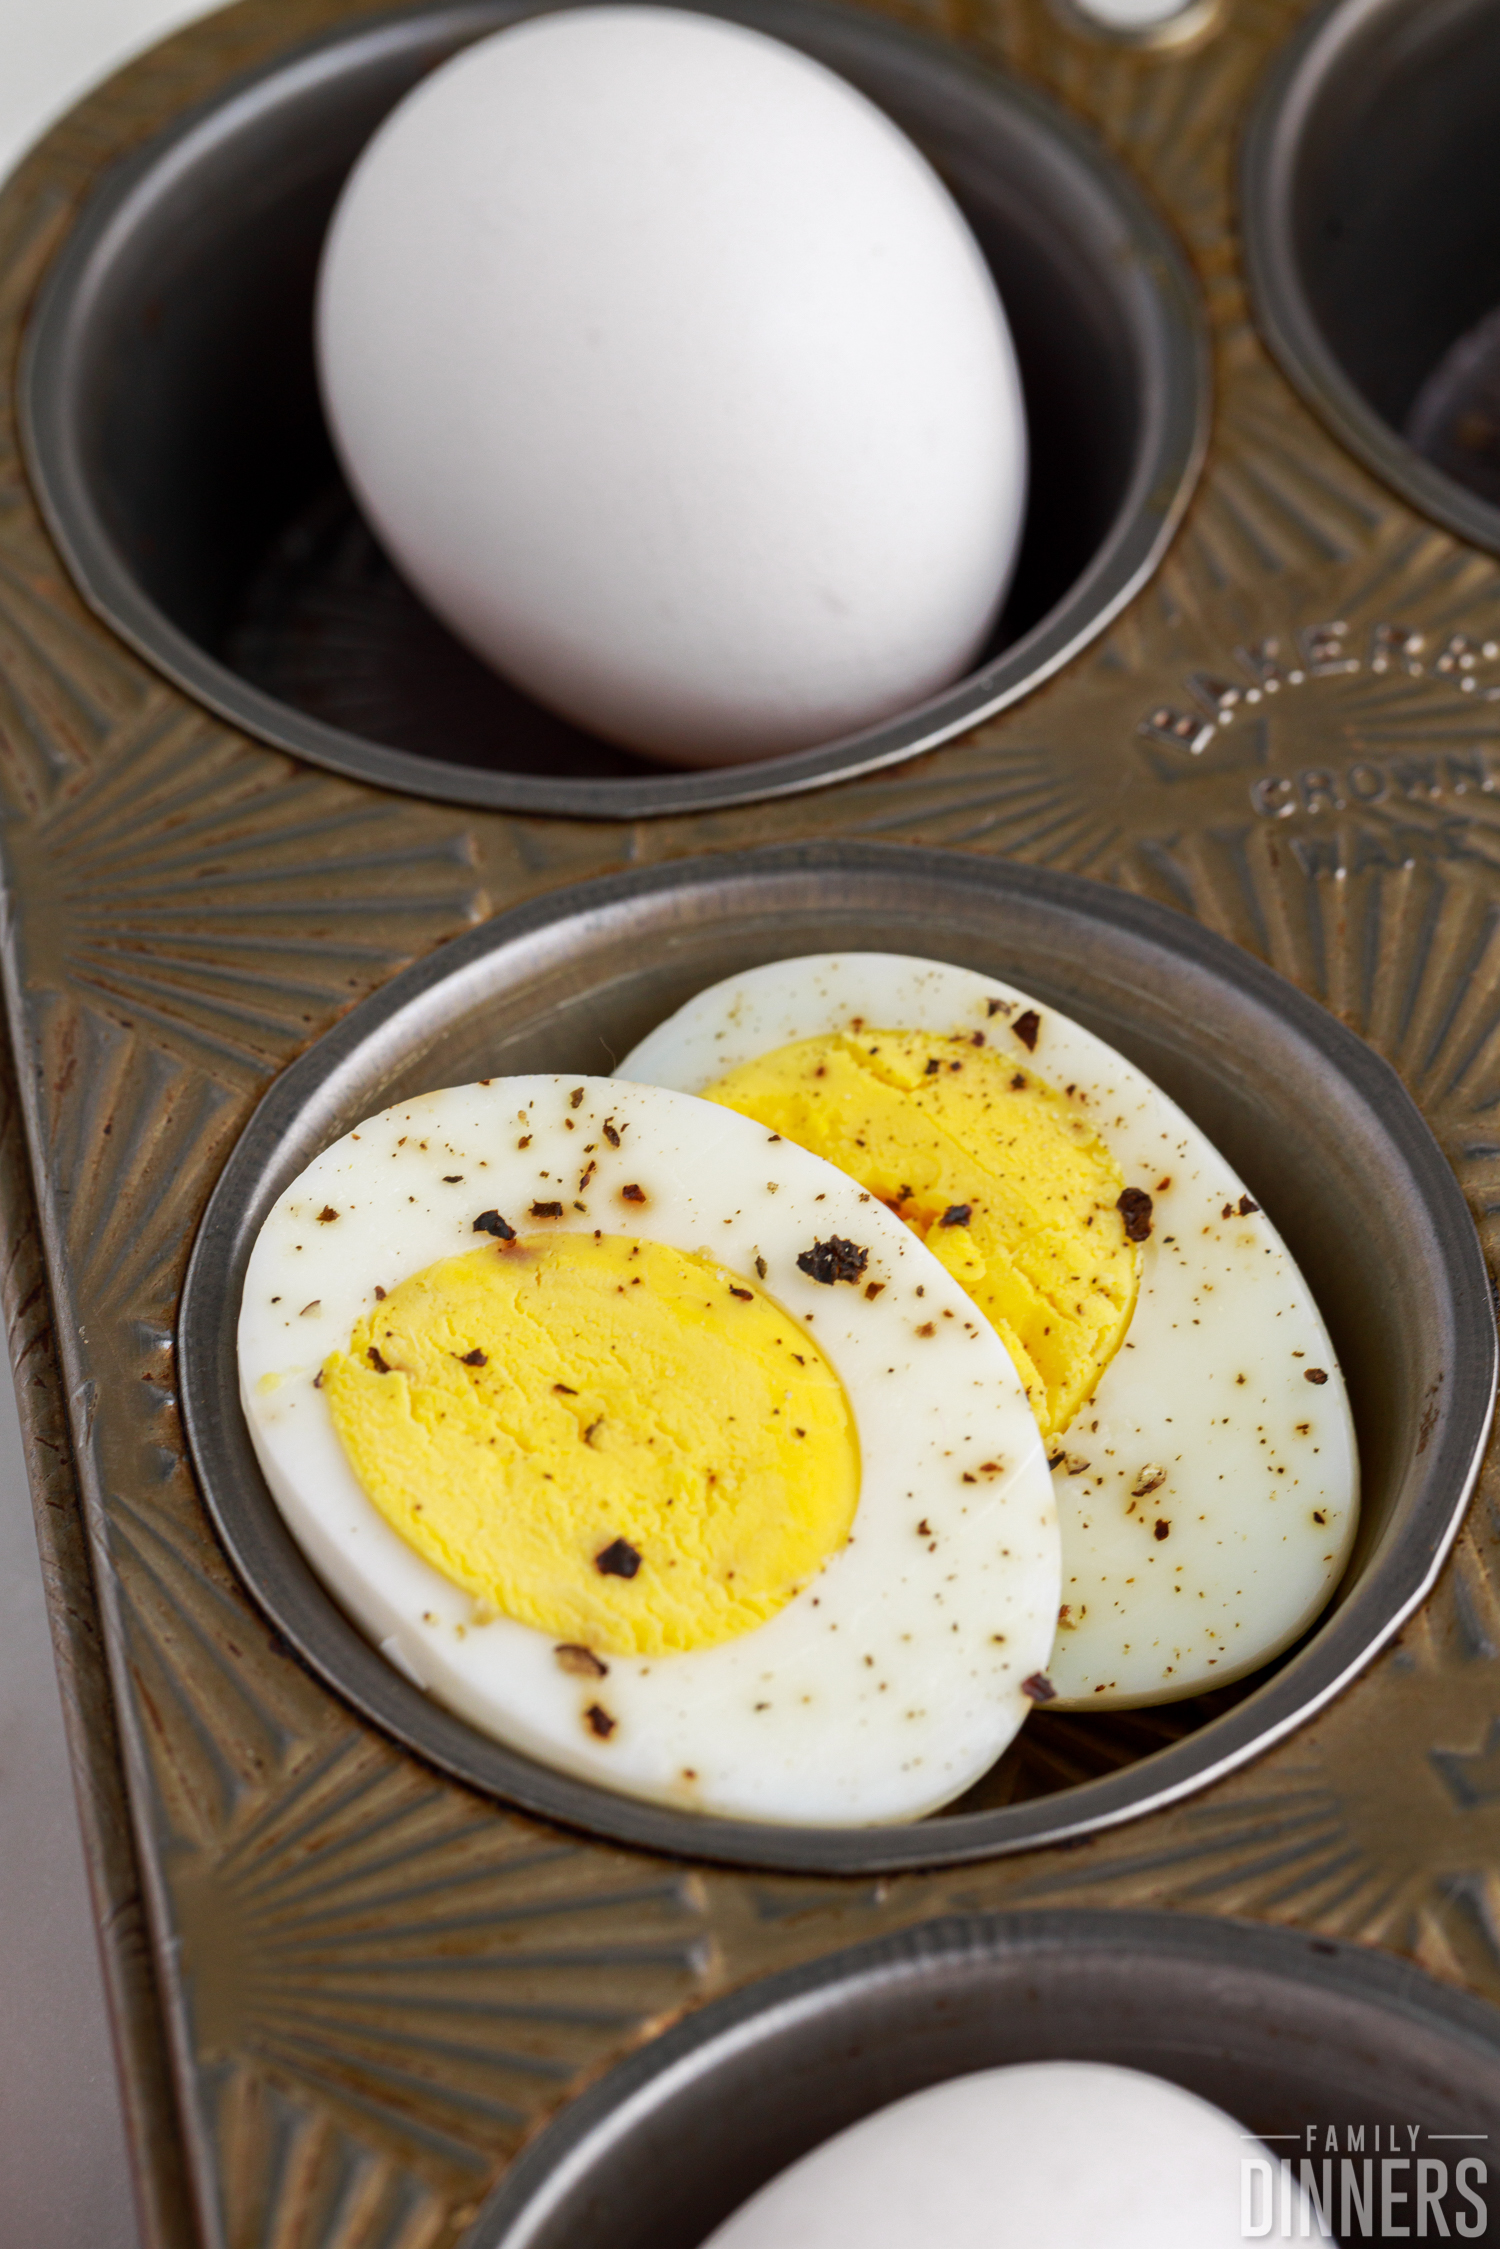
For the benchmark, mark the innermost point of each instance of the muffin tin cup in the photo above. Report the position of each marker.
(175, 439)
(1281, 2030)
(1369, 243)
(1320, 1129)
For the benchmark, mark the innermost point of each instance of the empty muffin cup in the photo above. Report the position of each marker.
(1372, 244)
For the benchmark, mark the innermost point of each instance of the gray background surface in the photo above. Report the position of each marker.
(64, 2176)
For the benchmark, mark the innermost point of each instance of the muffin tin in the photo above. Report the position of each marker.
(350, 1986)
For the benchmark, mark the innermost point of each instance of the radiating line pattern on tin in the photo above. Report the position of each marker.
(376, 1982)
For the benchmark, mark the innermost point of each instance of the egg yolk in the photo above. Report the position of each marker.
(1002, 1177)
(616, 1442)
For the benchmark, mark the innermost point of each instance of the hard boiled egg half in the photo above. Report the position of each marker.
(656, 1447)
(1201, 1443)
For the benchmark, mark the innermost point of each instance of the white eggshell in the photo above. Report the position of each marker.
(893, 1680)
(1071, 2153)
(671, 376)
(1132, 15)
(1224, 1416)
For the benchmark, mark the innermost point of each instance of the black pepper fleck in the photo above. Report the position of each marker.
(1134, 1206)
(833, 1260)
(490, 1222)
(618, 1559)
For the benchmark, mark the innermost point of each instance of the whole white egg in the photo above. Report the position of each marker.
(672, 378)
(1069, 2152)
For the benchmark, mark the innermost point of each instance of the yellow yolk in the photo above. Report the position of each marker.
(615, 1442)
(1001, 1175)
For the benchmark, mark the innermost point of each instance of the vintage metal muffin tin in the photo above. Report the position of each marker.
(1319, 1127)
(348, 1986)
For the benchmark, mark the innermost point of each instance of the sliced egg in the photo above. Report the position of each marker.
(1202, 1446)
(1072, 2152)
(655, 1447)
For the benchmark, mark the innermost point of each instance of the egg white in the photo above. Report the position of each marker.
(1209, 1391)
(894, 1680)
